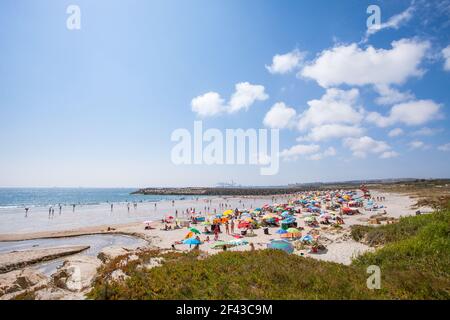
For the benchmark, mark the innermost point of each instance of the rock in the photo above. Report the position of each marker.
(19, 280)
(110, 253)
(118, 275)
(77, 273)
(57, 294)
(154, 262)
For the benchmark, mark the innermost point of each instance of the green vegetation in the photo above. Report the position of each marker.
(414, 262)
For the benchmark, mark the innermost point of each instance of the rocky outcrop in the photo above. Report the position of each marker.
(77, 273)
(17, 281)
(110, 253)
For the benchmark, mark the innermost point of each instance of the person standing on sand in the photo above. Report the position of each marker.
(128, 207)
(73, 208)
(155, 205)
(232, 226)
(112, 207)
(60, 208)
(216, 232)
(49, 211)
(26, 212)
(227, 228)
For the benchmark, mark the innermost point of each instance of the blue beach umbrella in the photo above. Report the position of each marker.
(281, 245)
(288, 220)
(281, 231)
(191, 241)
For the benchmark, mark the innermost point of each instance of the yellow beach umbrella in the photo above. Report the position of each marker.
(228, 212)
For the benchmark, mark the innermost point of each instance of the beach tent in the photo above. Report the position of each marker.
(291, 235)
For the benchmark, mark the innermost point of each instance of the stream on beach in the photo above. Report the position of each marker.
(97, 243)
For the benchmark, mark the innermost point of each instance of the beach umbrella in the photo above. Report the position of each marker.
(309, 219)
(281, 231)
(190, 234)
(293, 230)
(194, 230)
(191, 241)
(243, 225)
(285, 214)
(307, 238)
(281, 245)
(288, 220)
(228, 212)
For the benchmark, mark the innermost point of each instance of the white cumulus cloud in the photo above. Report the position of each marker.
(211, 103)
(332, 131)
(285, 63)
(446, 55)
(444, 147)
(329, 152)
(208, 104)
(393, 22)
(335, 106)
(351, 65)
(417, 144)
(390, 96)
(389, 154)
(395, 132)
(410, 113)
(245, 95)
(299, 150)
(362, 146)
(279, 116)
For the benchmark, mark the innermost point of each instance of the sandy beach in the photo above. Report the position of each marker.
(88, 221)
(340, 249)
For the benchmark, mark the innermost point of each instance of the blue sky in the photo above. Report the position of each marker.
(96, 107)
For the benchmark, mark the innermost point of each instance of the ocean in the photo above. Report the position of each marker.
(38, 197)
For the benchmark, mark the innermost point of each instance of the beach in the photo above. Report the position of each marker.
(98, 220)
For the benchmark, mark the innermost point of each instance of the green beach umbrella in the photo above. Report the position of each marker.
(194, 230)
